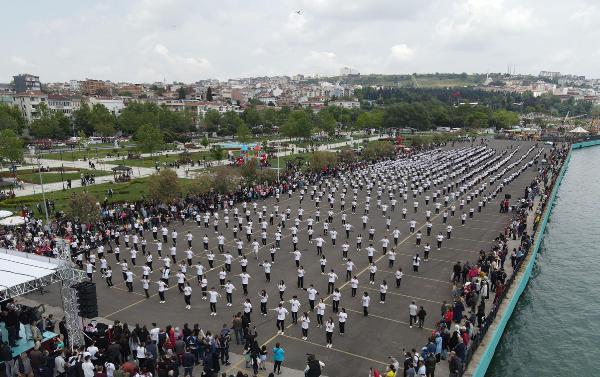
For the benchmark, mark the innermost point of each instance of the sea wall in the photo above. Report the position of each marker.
(484, 354)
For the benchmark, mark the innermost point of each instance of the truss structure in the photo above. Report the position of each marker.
(37, 272)
(70, 276)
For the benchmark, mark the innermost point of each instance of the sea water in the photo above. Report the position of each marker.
(555, 328)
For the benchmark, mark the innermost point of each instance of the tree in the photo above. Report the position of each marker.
(230, 122)
(326, 122)
(211, 120)
(11, 119)
(83, 207)
(225, 179)
(216, 153)
(404, 114)
(321, 160)
(102, 120)
(82, 119)
(347, 155)
(137, 114)
(149, 139)
(243, 133)
(251, 117)
(364, 121)
(270, 119)
(377, 149)
(181, 93)
(503, 119)
(209, 96)
(200, 184)
(12, 146)
(204, 142)
(249, 171)
(164, 186)
(298, 124)
(49, 124)
(82, 140)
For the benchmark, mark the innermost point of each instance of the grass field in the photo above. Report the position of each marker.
(51, 177)
(148, 162)
(76, 155)
(122, 192)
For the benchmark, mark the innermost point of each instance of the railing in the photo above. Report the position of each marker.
(491, 316)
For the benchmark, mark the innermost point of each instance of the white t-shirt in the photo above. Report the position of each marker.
(281, 313)
(329, 326)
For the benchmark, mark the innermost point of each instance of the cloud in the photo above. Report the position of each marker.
(181, 61)
(321, 62)
(186, 40)
(18, 61)
(64, 52)
(401, 52)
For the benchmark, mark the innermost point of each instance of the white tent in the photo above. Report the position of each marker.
(4, 213)
(578, 130)
(13, 221)
(21, 272)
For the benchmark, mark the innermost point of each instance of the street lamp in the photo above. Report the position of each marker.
(62, 168)
(43, 192)
(278, 166)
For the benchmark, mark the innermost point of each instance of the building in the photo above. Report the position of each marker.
(199, 108)
(114, 105)
(64, 104)
(26, 82)
(549, 74)
(347, 71)
(135, 90)
(95, 87)
(346, 104)
(28, 102)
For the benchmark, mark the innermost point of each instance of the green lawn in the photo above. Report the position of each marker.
(148, 162)
(76, 154)
(56, 177)
(130, 191)
(303, 144)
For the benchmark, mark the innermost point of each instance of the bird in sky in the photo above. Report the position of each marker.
(299, 12)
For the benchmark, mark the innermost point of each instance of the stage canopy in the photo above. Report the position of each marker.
(21, 273)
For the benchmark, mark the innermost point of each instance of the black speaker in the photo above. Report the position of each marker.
(86, 298)
(506, 196)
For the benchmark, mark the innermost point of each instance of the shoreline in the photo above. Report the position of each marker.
(483, 355)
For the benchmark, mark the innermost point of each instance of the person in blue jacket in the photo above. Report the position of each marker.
(278, 357)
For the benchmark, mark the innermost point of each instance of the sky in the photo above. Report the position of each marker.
(190, 40)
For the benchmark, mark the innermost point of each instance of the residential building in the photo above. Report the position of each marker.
(96, 87)
(28, 102)
(64, 104)
(26, 82)
(345, 104)
(114, 105)
(549, 74)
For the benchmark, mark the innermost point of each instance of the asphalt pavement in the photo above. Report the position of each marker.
(368, 340)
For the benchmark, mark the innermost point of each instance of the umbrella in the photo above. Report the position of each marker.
(578, 130)
(4, 213)
(12, 221)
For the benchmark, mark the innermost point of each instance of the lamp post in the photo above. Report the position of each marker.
(62, 168)
(43, 192)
